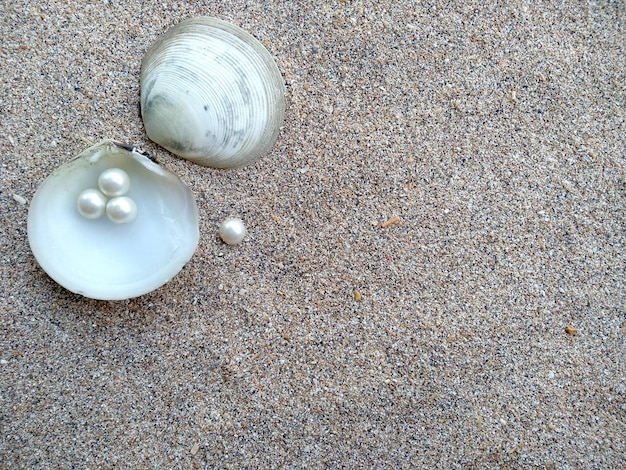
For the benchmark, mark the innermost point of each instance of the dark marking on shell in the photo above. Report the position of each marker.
(132, 148)
(121, 145)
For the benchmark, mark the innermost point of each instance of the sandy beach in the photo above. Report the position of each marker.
(434, 274)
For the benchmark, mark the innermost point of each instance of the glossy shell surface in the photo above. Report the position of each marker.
(211, 93)
(112, 261)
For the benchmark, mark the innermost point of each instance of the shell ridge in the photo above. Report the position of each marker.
(233, 90)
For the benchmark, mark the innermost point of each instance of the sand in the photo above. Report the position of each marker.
(482, 327)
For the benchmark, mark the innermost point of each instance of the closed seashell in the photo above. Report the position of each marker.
(211, 93)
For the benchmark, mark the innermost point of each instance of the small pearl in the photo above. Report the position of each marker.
(114, 182)
(91, 203)
(121, 210)
(232, 231)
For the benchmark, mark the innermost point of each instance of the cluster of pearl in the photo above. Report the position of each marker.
(114, 184)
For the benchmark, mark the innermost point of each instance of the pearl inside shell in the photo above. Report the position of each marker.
(121, 210)
(232, 231)
(114, 182)
(91, 203)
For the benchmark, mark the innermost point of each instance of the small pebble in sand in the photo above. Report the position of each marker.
(570, 330)
(392, 221)
(195, 449)
(19, 199)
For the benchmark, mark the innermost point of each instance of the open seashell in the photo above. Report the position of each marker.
(211, 93)
(111, 224)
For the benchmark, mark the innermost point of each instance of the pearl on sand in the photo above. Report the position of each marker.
(232, 231)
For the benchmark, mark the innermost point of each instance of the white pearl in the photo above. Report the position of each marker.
(114, 182)
(91, 203)
(232, 231)
(121, 210)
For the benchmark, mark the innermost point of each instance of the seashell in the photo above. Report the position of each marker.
(148, 234)
(211, 93)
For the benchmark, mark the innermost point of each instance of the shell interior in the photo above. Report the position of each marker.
(103, 260)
